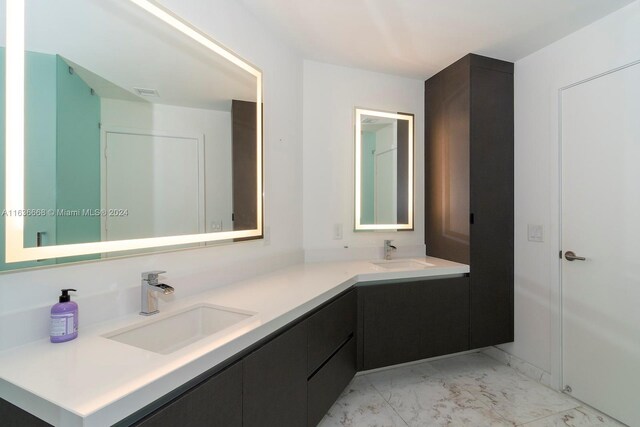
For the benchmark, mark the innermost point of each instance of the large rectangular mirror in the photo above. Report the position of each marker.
(384, 170)
(125, 130)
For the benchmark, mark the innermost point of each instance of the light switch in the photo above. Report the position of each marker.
(535, 232)
(337, 232)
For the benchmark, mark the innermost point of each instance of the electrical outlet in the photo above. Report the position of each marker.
(216, 226)
(535, 233)
(337, 232)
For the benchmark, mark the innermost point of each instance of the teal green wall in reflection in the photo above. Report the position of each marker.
(56, 106)
(78, 158)
(367, 178)
(40, 151)
(40, 147)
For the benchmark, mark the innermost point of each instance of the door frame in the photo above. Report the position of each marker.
(376, 157)
(199, 137)
(556, 296)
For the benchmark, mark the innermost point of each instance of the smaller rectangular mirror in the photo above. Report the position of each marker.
(383, 170)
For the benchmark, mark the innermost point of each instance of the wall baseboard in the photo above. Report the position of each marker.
(416, 362)
(525, 368)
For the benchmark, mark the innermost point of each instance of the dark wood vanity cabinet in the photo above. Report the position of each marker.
(469, 186)
(215, 402)
(293, 376)
(12, 416)
(290, 378)
(265, 387)
(293, 379)
(403, 322)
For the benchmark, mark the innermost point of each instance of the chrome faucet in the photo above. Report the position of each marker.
(388, 248)
(148, 287)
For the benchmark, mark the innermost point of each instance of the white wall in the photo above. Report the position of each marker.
(604, 45)
(330, 95)
(214, 125)
(110, 288)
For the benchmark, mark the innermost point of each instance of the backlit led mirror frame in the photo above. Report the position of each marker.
(15, 146)
(359, 225)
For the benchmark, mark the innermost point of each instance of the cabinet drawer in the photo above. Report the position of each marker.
(325, 386)
(329, 328)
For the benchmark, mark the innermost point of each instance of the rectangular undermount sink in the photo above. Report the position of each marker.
(173, 331)
(402, 264)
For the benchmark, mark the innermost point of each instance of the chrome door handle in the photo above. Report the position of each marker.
(571, 256)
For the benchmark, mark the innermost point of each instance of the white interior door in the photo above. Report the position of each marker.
(386, 187)
(600, 125)
(159, 180)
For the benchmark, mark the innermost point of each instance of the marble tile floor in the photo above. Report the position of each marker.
(467, 390)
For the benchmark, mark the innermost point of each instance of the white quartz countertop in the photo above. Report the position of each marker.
(95, 381)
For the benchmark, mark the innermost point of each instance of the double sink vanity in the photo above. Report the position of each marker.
(272, 350)
(277, 349)
(175, 330)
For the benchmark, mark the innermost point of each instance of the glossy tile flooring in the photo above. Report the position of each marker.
(468, 390)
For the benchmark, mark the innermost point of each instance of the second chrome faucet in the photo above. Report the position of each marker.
(149, 287)
(388, 249)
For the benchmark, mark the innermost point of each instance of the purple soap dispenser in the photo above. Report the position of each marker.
(64, 319)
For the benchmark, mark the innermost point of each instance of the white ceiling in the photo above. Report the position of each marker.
(116, 47)
(417, 38)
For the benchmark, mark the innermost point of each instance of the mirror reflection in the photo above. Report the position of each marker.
(132, 130)
(384, 169)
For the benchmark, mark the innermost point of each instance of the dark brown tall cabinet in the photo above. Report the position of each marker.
(469, 186)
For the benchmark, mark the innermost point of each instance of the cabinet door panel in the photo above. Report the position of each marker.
(447, 97)
(492, 207)
(215, 402)
(403, 322)
(275, 381)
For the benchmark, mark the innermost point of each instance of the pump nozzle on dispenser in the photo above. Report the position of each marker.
(65, 297)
